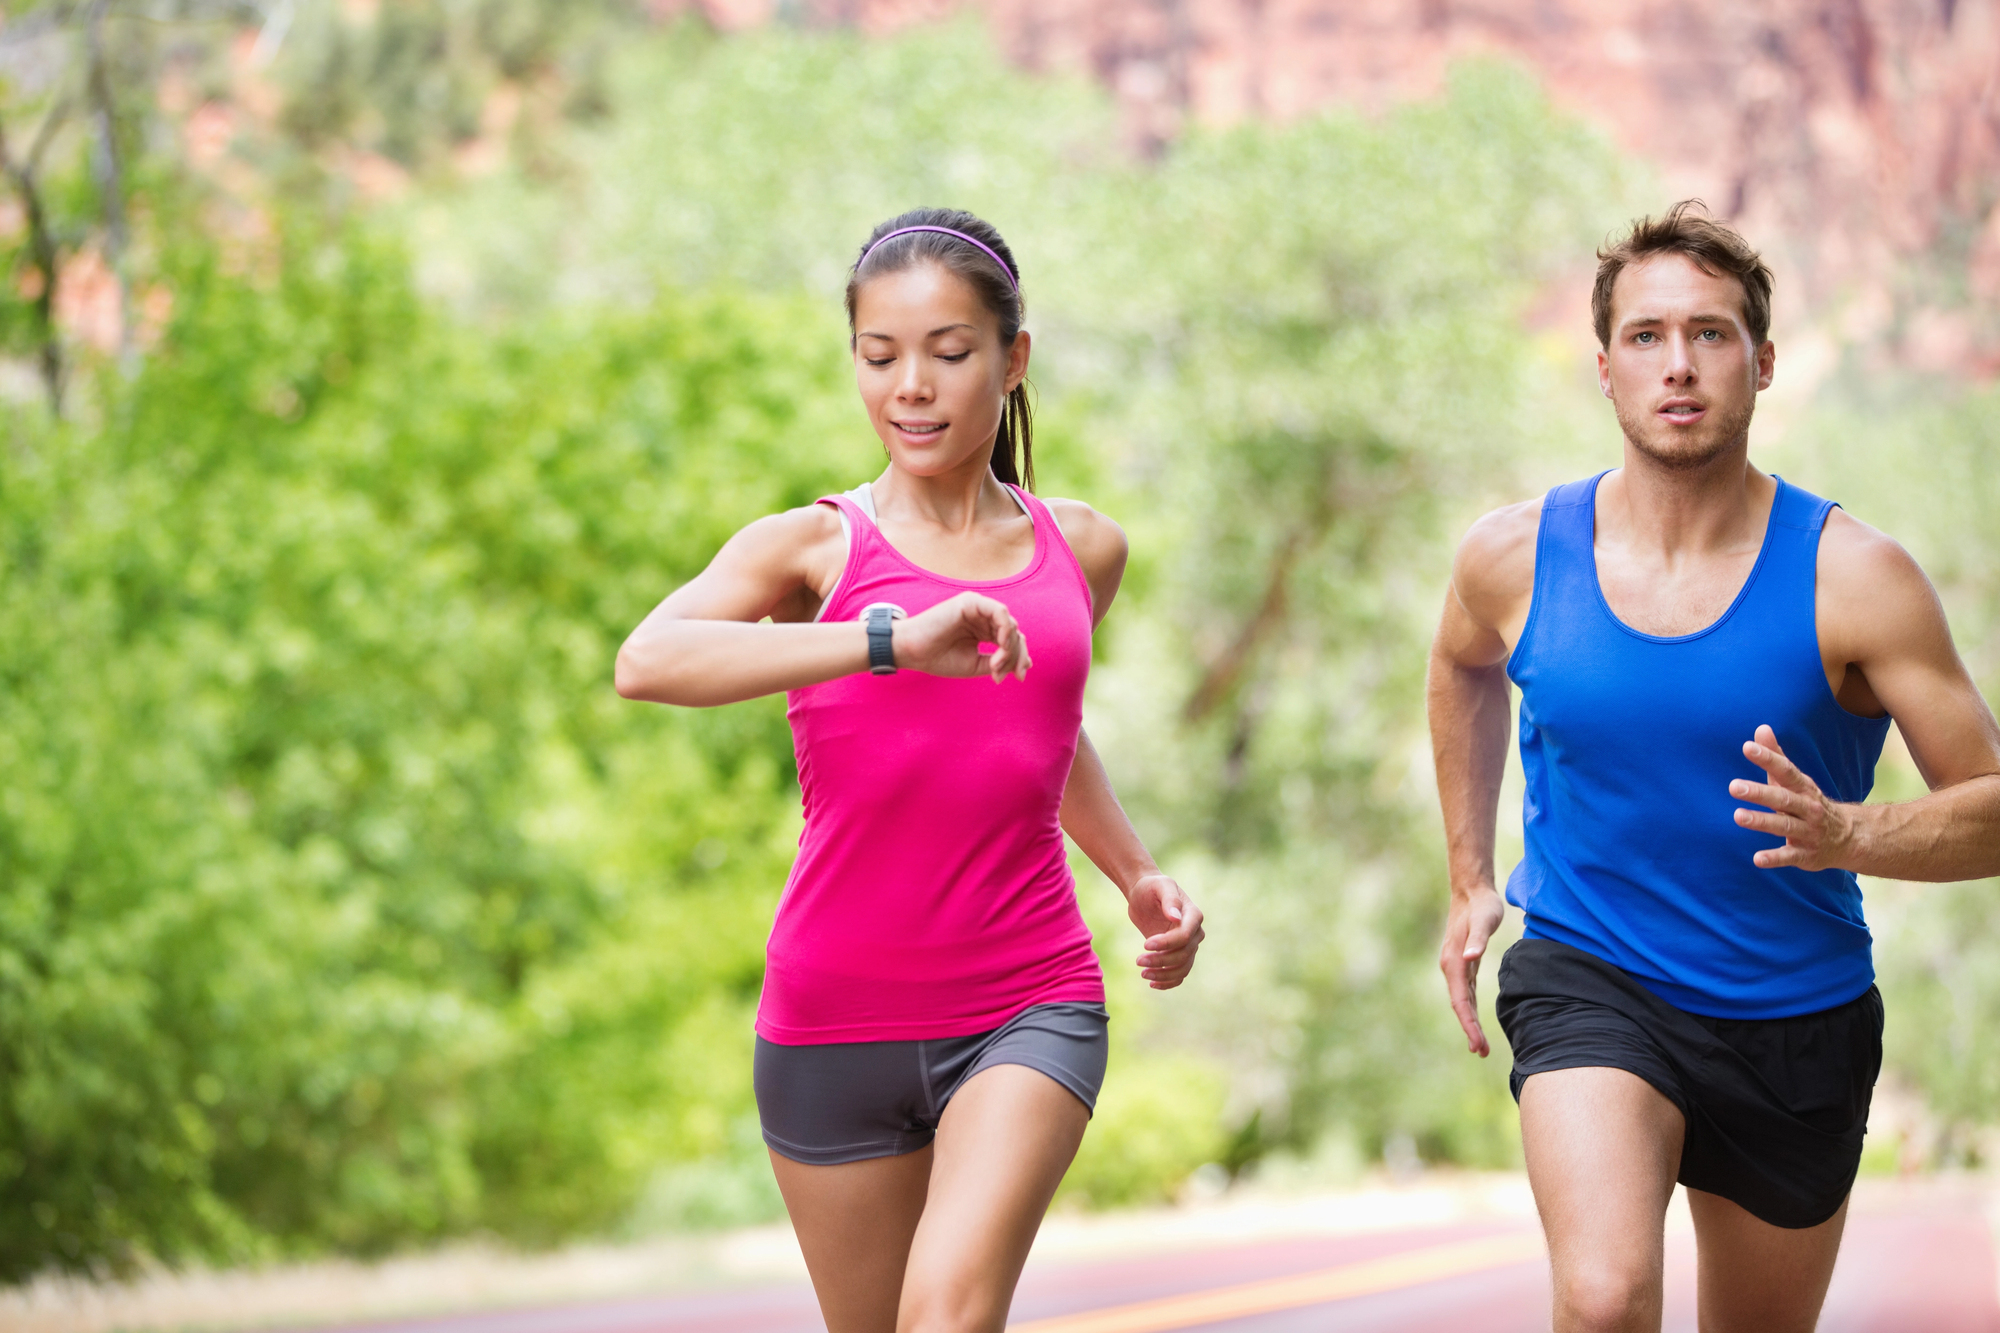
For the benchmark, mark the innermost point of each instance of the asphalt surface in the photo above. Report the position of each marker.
(1917, 1259)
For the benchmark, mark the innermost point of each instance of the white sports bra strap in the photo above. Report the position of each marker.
(864, 497)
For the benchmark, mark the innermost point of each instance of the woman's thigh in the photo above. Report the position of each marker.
(1002, 1147)
(854, 1223)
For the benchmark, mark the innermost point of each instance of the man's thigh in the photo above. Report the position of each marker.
(1757, 1278)
(1603, 1148)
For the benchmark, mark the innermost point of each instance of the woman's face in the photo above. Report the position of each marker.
(931, 370)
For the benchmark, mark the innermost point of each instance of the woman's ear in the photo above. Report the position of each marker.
(1017, 360)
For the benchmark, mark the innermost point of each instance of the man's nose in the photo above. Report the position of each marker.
(1680, 361)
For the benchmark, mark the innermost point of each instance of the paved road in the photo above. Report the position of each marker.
(1918, 1260)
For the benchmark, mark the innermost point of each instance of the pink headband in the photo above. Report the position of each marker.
(946, 231)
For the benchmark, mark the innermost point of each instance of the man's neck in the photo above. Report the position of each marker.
(1717, 507)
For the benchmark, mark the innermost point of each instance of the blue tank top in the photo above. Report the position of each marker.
(1629, 742)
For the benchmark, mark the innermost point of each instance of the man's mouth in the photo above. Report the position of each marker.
(1682, 410)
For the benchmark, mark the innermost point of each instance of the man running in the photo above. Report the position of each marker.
(1709, 660)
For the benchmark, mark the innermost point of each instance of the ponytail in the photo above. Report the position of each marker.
(1017, 426)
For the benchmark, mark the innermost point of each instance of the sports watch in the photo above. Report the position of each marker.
(880, 617)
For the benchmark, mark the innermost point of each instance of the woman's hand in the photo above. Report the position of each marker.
(1171, 924)
(944, 641)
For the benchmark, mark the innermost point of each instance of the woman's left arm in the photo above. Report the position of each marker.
(1165, 915)
(1091, 815)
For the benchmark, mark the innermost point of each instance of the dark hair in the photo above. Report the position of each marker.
(998, 292)
(1686, 229)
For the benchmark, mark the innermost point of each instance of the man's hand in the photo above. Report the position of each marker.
(1818, 833)
(944, 641)
(1472, 920)
(1172, 926)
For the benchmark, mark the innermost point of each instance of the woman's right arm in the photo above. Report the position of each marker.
(703, 645)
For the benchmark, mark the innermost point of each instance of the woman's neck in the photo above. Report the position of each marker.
(955, 501)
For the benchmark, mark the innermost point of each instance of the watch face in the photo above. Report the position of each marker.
(895, 612)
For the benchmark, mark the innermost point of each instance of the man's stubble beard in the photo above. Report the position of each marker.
(1700, 451)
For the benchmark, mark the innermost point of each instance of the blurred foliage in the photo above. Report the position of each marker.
(343, 906)
(1347, 369)
(1156, 1121)
(419, 79)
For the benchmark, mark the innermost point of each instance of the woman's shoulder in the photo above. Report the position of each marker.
(807, 543)
(808, 525)
(1096, 538)
(1099, 546)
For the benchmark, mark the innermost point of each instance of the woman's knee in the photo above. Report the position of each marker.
(950, 1307)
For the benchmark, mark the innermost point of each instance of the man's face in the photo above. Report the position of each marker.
(1681, 369)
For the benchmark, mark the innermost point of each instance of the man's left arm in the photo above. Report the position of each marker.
(1878, 613)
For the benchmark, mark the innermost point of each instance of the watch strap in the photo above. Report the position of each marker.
(881, 644)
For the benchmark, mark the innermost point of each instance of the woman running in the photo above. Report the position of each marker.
(932, 1033)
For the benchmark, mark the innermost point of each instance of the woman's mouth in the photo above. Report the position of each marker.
(919, 428)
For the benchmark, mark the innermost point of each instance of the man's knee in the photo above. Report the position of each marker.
(1607, 1298)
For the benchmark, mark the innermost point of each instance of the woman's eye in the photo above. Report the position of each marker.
(878, 361)
(953, 357)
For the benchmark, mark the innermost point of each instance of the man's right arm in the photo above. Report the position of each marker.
(1492, 583)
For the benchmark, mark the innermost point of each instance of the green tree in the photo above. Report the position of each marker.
(345, 904)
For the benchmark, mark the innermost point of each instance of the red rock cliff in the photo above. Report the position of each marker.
(1863, 133)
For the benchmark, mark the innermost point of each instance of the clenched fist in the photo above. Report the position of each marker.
(944, 641)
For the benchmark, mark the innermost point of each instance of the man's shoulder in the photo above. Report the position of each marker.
(1858, 560)
(1873, 598)
(1499, 531)
(1496, 557)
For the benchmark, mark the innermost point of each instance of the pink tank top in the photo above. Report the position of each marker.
(932, 895)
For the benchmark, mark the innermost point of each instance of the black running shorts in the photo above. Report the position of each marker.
(852, 1100)
(1776, 1108)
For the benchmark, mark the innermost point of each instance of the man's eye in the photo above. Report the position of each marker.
(1710, 334)
(1644, 338)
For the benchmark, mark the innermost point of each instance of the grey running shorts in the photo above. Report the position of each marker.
(1775, 1107)
(851, 1100)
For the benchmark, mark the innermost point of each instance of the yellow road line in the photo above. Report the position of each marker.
(1289, 1293)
